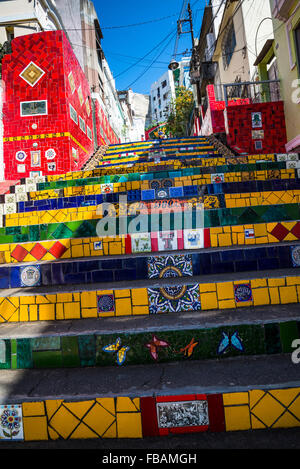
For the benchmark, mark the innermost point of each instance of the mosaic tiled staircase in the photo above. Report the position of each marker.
(152, 333)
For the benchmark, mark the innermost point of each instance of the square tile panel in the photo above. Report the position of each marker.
(141, 242)
(193, 239)
(192, 413)
(11, 422)
(174, 299)
(170, 266)
(217, 178)
(176, 192)
(295, 254)
(105, 303)
(57, 250)
(30, 276)
(242, 292)
(167, 240)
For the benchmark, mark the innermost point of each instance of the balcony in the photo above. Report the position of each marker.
(281, 8)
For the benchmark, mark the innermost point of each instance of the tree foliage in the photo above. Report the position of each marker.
(181, 109)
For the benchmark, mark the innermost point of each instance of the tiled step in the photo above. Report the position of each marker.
(186, 337)
(133, 267)
(149, 297)
(243, 393)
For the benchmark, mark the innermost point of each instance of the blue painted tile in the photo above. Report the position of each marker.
(148, 194)
(176, 192)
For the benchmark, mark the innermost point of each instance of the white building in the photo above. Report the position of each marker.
(162, 92)
(136, 107)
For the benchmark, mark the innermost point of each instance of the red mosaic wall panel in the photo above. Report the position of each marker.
(242, 135)
(105, 134)
(38, 70)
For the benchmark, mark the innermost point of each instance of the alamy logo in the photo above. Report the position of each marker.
(296, 352)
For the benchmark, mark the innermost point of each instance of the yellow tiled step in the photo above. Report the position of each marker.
(135, 301)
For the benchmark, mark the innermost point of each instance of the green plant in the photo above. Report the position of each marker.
(181, 109)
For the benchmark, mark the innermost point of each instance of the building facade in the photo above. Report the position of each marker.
(286, 20)
(47, 114)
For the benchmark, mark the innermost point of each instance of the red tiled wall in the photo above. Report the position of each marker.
(105, 134)
(51, 52)
(238, 124)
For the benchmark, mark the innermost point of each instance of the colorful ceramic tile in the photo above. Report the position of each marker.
(281, 157)
(10, 208)
(32, 73)
(11, 422)
(97, 245)
(217, 178)
(167, 240)
(105, 303)
(193, 239)
(174, 299)
(21, 156)
(230, 340)
(242, 292)
(176, 192)
(21, 168)
(162, 193)
(107, 188)
(256, 118)
(249, 233)
(117, 349)
(170, 266)
(295, 253)
(176, 414)
(148, 194)
(10, 198)
(292, 156)
(50, 154)
(30, 276)
(141, 242)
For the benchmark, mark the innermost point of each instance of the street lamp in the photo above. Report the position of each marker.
(173, 65)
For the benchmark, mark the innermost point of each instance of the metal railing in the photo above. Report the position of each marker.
(254, 92)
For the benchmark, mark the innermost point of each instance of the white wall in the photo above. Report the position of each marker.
(169, 88)
(257, 29)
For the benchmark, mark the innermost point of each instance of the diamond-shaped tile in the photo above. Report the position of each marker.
(38, 251)
(279, 232)
(57, 250)
(19, 253)
(32, 74)
(296, 230)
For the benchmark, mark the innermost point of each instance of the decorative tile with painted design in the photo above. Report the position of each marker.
(11, 422)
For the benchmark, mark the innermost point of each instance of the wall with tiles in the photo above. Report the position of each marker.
(41, 135)
(146, 416)
(105, 134)
(256, 128)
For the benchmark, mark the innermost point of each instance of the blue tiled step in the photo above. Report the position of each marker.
(138, 267)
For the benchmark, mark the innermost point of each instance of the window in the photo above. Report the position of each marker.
(165, 96)
(33, 108)
(228, 46)
(164, 84)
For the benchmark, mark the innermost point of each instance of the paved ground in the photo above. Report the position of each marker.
(197, 376)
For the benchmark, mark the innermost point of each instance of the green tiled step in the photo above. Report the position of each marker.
(186, 337)
(272, 165)
(212, 218)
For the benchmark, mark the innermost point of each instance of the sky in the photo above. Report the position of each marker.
(139, 54)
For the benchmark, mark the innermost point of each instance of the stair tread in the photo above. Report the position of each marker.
(159, 322)
(187, 377)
